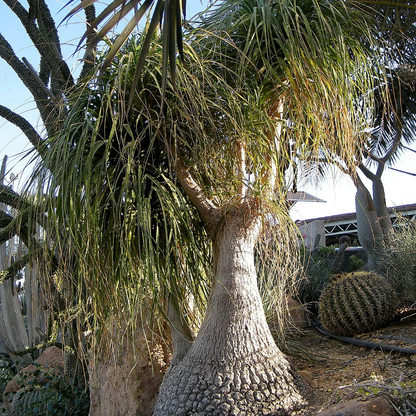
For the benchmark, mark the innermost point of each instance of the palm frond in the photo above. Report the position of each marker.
(168, 14)
(308, 54)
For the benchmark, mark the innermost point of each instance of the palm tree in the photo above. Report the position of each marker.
(145, 194)
(222, 133)
(296, 61)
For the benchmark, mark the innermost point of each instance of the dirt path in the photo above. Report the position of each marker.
(341, 372)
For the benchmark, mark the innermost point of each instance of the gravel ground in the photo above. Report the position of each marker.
(340, 371)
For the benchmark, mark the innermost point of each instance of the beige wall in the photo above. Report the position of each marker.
(310, 231)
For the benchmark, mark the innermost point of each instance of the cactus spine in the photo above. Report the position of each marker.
(354, 303)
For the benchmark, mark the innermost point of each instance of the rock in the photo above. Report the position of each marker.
(297, 313)
(378, 406)
(52, 357)
(306, 375)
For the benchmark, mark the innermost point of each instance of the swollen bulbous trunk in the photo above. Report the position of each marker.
(234, 366)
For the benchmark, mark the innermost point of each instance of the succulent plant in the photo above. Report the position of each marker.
(357, 302)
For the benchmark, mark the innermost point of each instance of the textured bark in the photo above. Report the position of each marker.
(234, 366)
(368, 227)
(125, 379)
(379, 198)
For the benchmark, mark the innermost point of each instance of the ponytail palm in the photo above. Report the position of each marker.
(168, 195)
(298, 67)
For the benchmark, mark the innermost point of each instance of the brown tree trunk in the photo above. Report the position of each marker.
(124, 379)
(234, 366)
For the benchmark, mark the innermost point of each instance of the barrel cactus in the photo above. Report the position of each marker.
(354, 303)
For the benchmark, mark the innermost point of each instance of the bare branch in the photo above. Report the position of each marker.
(23, 125)
(26, 76)
(44, 38)
(392, 150)
(402, 171)
(203, 204)
(367, 172)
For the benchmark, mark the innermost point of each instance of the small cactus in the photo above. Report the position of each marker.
(354, 303)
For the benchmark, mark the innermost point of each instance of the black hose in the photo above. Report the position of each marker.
(367, 344)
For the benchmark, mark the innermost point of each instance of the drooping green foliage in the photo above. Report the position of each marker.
(301, 53)
(127, 223)
(113, 165)
(166, 15)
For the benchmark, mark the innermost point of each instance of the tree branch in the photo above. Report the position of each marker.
(5, 219)
(37, 77)
(202, 203)
(14, 227)
(12, 198)
(88, 64)
(12, 270)
(392, 150)
(41, 29)
(26, 76)
(367, 172)
(20, 122)
(44, 38)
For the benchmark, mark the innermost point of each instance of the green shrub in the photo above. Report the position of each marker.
(355, 263)
(48, 393)
(316, 273)
(398, 263)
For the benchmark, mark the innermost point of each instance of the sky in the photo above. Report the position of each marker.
(338, 190)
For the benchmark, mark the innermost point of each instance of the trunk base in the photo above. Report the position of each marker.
(124, 380)
(261, 384)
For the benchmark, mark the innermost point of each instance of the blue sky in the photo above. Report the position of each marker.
(338, 191)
